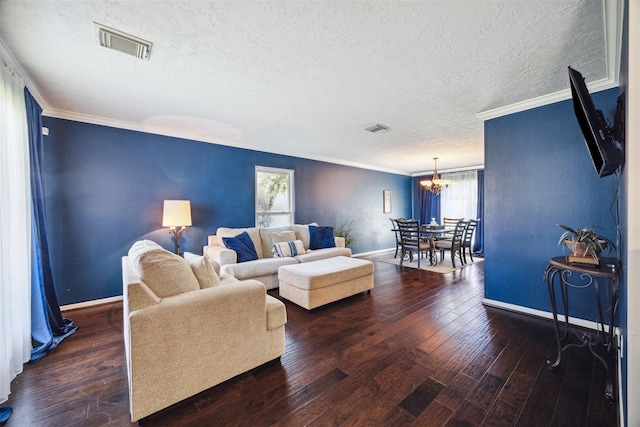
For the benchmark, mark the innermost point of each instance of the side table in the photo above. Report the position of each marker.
(564, 275)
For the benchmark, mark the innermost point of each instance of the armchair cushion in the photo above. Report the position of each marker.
(165, 273)
(242, 245)
(203, 270)
(321, 237)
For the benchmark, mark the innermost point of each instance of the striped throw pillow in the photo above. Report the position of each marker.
(288, 249)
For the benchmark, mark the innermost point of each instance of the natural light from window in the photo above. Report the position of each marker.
(274, 197)
(460, 199)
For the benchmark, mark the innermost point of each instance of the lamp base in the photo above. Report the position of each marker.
(176, 239)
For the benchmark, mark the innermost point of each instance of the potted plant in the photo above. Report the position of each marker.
(585, 243)
(345, 230)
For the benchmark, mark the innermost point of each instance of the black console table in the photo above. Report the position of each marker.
(564, 275)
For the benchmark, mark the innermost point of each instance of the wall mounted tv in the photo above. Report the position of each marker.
(598, 136)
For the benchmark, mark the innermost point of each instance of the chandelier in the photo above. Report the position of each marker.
(435, 184)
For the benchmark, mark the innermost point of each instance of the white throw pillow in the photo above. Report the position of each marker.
(164, 272)
(203, 270)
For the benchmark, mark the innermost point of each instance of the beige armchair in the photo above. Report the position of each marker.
(181, 344)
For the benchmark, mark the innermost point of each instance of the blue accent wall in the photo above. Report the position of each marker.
(538, 173)
(105, 188)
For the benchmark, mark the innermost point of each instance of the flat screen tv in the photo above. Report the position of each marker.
(598, 136)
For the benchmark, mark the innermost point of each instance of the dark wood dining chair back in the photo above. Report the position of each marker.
(449, 225)
(410, 241)
(396, 230)
(451, 222)
(467, 241)
(454, 244)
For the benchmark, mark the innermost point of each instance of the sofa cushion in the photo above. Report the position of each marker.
(323, 254)
(269, 236)
(302, 233)
(321, 237)
(257, 268)
(242, 245)
(203, 270)
(164, 272)
(288, 249)
(253, 232)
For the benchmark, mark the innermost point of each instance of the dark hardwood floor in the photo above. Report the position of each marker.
(419, 350)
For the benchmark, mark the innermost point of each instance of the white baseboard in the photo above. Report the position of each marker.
(90, 303)
(544, 314)
(380, 251)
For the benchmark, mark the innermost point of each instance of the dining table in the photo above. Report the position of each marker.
(431, 232)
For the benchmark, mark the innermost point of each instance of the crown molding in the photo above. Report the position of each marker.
(196, 136)
(613, 11)
(33, 89)
(461, 169)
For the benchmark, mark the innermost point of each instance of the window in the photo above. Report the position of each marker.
(460, 199)
(274, 197)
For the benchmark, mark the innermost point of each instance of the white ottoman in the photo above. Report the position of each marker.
(312, 284)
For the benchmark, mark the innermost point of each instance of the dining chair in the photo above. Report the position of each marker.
(450, 225)
(454, 244)
(395, 229)
(467, 240)
(451, 222)
(410, 241)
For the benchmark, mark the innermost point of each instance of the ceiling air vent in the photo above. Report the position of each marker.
(376, 127)
(122, 42)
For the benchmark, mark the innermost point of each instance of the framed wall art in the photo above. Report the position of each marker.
(386, 201)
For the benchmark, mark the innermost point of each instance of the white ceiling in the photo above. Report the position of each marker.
(304, 77)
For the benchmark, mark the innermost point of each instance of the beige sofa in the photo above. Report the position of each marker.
(186, 329)
(265, 268)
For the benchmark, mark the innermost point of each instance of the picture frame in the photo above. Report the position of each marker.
(386, 201)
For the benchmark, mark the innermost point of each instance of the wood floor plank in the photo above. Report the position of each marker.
(501, 415)
(436, 414)
(419, 350)
(456, 392)
(421, 397)
(294, 401)
(468, 415)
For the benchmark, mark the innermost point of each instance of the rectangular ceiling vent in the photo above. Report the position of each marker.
(376, 127)
(122, 42)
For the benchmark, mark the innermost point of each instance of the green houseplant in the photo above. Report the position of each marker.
(345, 230)
(585, 242)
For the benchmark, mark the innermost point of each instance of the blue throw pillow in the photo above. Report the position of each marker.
(321, 237)
(243, 245)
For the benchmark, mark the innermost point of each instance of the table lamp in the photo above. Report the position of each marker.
(177, 216)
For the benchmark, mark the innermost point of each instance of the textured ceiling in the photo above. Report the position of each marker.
(304, 77)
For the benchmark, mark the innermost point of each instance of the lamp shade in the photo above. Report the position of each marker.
(176, 213)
